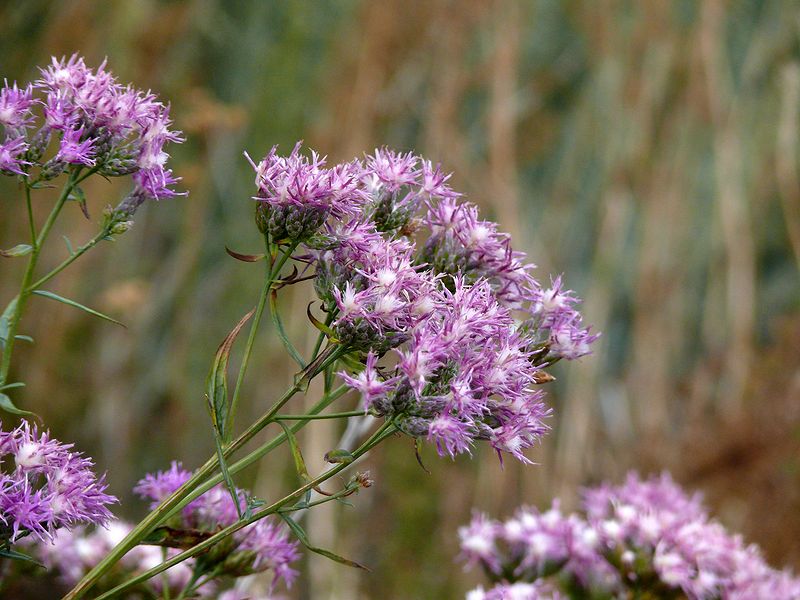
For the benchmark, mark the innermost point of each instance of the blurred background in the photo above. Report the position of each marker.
(649, 151)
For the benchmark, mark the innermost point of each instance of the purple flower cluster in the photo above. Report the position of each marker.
(643, 537)
(258, 547)
(44, 486)
(97, 123)
(297, 194)
(72, 554)
(407, 271)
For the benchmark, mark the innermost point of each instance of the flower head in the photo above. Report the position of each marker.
(46, 486)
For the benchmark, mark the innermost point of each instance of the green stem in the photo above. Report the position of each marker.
(31, 221)
(160, 513)
(382, 433)
(251, 337)
(276, 321)
(339, 415)
(259, 452)
(24, 291)
(103, 234)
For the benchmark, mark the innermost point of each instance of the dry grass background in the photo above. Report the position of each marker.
(647, 150)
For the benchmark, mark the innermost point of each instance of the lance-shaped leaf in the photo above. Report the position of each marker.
(319, 324)
(276, 320)
(18, 250)
(217, 397)
(78, 195)
(244, 257)
(5, 321)
(69, 302)
(299, 462)
(301, 535)
(7, 405)
(14, 555)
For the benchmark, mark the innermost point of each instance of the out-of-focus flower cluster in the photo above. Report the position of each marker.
(92, 122)
(262, 546)
(256, 548)
(643, 539)
(46, 487)
(451, 328)
(71, 555)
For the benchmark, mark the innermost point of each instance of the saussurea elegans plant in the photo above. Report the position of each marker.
(71, 124)
(423, 308)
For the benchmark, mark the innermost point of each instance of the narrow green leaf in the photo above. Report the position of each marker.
(69, 246)
(7, 405)
(301, 535)
(69, 302)
(276, 320)
(24, 338)
(319, 324)
(10, 386)
(18, 250)
(14, 555)
(78, 195)
(217, 397)
(217, 380)
(299, 463)
(5, 321)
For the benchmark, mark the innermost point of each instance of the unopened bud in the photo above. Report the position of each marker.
(121, 227)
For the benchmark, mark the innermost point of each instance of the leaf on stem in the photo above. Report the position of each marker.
(9, 386)
(69, 302)
(276, 320)
(77, 195)
(245, 257)
(14, 555)
(301, 535)
(299, 462)
(18, 250)
(5, 321)
(319, 324)
(217, 397)
(7, 405)
(70, 249)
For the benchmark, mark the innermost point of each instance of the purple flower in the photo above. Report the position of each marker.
(75, 150)
(48, 486)
(258, 547)
(115, 129)
(299, 193)
(15, 108)
(12, 153)
(369, 382)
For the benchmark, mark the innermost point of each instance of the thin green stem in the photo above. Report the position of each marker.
(339, 415)
(31, 221)
(251, 338)
(276, 321)
(24, 291)
(160, 513)
(382, 433)
(103, 234)
(259, 452)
